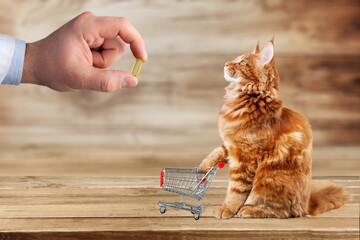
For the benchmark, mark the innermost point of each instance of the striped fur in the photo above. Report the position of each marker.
(268, 147)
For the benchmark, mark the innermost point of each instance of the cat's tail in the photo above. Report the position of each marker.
(326, 196)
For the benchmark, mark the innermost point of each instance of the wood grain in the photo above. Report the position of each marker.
(184, 234)
(85, 160)
(170, 118)
(171, 105)
(197, 26)
(94, 207)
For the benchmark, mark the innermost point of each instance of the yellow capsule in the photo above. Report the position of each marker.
(135, 70)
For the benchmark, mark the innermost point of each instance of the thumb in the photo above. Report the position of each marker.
(109, 80)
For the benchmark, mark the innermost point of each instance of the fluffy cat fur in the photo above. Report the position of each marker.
(268, 147)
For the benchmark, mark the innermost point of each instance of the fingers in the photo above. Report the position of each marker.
(127, 33)
(112, 34)
(111, 52)
(108, 80)
(111, 27)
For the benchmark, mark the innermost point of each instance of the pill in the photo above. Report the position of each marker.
(136, 67)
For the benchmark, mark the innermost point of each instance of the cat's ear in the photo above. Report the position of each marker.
(257, 48)
(267, 53)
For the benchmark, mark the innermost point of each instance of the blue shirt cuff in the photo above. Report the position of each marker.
(14, 74)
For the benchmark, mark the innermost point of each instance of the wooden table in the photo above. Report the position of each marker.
(116, 207)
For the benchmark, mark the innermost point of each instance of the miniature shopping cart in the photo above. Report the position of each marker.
(187, 183)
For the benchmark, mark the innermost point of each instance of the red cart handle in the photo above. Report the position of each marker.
(161, 178)
(221, 164)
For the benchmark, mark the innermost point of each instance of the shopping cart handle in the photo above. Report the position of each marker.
(221, 164)
(161, 178)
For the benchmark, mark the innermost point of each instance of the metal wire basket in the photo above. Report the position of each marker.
(187, 183)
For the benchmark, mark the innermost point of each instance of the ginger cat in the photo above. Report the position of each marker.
(268, 147)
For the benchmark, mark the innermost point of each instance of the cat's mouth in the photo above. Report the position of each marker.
(229, 76)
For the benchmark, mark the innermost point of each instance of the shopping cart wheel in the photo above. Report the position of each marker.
(196, 216)
(162, 210)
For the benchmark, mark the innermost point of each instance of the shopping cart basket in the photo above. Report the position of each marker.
(187, 183)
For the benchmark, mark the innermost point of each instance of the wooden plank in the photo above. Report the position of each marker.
(171, 235)
(98, 207)
(128, 117)
(341, 225)
(109, 197)
(92, 182)
(306, 27)
(89, 204)
(306, 83)
(171, 116)
(145, 160)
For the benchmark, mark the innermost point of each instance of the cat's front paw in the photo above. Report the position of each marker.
(204, 166)
(223, 213)
(249, 211)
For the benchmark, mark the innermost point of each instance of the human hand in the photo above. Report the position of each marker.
(73, 57)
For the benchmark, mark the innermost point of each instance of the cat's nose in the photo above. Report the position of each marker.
(227, 64)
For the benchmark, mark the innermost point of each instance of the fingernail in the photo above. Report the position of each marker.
(146, 57)
(129, 82)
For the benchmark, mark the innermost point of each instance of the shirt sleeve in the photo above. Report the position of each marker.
(12, 54)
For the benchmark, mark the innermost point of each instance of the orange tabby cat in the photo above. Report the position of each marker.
(268, 147)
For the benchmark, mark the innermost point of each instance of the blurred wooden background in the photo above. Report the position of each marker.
(169, 120)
